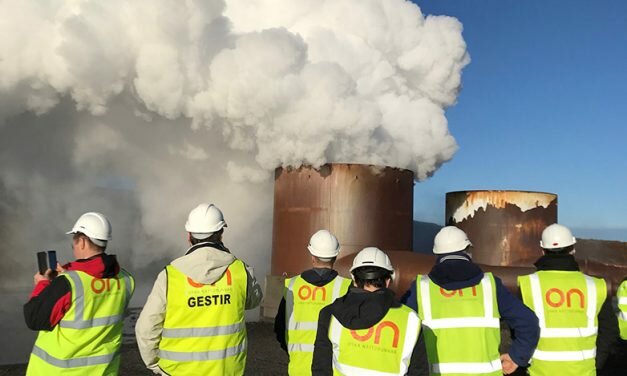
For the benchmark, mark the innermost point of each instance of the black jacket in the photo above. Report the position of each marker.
(608, 323)
(359, 309)
(317, 277)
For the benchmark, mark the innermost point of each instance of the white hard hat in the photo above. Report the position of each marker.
(372, 256)
(95, 226)
(324, 244)
(556, 236)
(204, 220)
(450, 239)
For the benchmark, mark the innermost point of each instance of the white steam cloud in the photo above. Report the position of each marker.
(142, 109)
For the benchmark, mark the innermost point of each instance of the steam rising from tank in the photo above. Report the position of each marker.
(141, 110)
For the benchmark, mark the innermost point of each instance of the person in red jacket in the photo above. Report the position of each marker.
(78, 289)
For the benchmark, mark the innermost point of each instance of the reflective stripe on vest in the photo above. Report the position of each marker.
(79, 300)
(73, 363)
(291, 347)
(203, 332)
(488, 321)
(622, 300)
(194, 356)
(412, 330)
(565, 356)
(468, 368)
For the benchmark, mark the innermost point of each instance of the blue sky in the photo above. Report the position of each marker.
(543, 108)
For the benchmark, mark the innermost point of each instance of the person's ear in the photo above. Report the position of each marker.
(387, 282)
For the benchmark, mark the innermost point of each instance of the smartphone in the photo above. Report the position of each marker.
(52, 260)
(42, 262)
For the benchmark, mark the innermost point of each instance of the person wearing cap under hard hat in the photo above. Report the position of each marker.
(577, 323)
(304, 296)
(79, 314)
(367, 331)
(461, 306)
(193, 320)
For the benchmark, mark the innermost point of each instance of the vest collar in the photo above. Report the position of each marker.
(217, 245)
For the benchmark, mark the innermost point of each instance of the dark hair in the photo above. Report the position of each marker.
(80, 235)
(213, 238)
(371, 275)
(560, 251)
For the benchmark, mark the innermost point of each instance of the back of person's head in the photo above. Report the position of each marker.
(557, 240)
(95, 228)
(450, 239)
(372, 267)
(205, 223)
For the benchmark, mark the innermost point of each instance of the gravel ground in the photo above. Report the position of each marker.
(265, 357)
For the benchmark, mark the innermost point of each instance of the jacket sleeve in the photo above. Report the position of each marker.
(523, 323)
(418, 364)
(323, 350)
(254, 293)
(150, 322)
(410, 297)
(279, 325)
(48, 304)
(608, 332)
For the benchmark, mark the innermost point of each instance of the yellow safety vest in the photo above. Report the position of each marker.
(567, 304)
(622, 306)
(303, 303)
(204, 332)
(461, 327)
(382, 350)
(87, 339)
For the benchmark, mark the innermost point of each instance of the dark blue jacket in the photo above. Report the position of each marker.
(458, 272)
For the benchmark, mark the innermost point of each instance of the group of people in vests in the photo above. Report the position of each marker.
(193, 322)
(449, 321)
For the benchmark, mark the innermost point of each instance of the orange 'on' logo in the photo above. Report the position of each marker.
(451, 293)
(99, 285)
(306, 292)
(376, 330)
(555, 297)
(199, 285)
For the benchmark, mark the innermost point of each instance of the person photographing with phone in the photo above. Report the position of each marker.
(79, 313)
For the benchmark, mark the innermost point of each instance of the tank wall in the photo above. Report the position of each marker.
(362, 205)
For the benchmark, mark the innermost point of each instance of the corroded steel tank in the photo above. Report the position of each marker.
(362, 205)
(504, 226)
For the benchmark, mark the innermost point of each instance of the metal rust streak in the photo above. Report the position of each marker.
(473, 201)
(507, 231)
(362, 205)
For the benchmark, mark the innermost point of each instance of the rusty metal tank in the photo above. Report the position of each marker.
(362, 205)
(504, 226)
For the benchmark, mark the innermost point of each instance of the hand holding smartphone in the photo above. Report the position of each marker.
(47, 260)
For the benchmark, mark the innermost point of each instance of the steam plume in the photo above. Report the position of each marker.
(142, 109)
